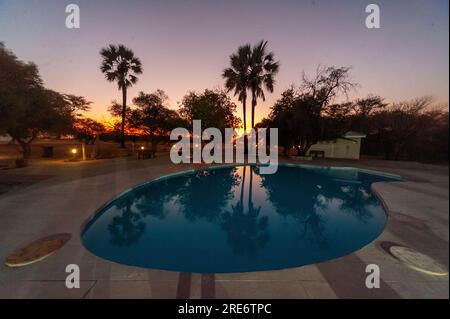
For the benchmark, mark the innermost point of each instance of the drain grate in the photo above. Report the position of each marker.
(414, 259)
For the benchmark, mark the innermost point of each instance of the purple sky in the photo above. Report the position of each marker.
(184, 45)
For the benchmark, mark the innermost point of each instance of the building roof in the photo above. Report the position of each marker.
(353, 134)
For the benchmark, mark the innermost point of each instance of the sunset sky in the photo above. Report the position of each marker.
(185, 45)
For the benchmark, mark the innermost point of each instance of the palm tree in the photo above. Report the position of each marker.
(263, 69)
(121, 65)
(237, 76)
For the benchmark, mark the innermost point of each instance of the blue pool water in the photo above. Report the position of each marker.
(234, 219)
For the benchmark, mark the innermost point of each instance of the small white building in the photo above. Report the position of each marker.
(348, 146)
(5, 138)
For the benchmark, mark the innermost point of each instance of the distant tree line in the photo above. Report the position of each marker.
(304, 115)
(411, 130)
(150, 116)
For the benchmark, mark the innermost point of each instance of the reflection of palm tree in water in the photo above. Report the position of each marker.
(305, 210)
(150, 201)
(319, 195)
(356, 201)
(126, 228)
(315, 223)
(196, 204)
(246, 232)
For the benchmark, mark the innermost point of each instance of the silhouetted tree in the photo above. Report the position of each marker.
(401, 125)
(327, 84)
(213, 108)
(27, 108)
(305, 115)
(115, 109)
(122, 66)
(368, 106)
(152, 115)
(88, 129)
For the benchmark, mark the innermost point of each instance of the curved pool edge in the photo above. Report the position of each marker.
(99, 212)
(96, 213)
(378, 195)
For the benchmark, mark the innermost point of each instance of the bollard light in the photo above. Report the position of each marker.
(74, 152)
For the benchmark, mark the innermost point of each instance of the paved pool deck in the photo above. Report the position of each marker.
(53, 197)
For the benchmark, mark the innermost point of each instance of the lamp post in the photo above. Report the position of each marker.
(83, 151)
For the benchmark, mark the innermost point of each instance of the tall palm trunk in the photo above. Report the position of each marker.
(253, 116)
(250, 191)
(124, 109)
(244, 106)
(253, 108)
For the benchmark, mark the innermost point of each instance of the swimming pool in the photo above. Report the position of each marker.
(234, 219)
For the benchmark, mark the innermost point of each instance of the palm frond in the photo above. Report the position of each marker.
(120, 64)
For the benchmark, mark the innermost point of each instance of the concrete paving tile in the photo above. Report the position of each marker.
(128, 289)
(156, 275)
(275, 275)
(421, 290)
(123, 272)
(318, 289)
(308, 272)
(347, 277)
(164, 289)
(196, 287)
(42, 289)
(104, 289)
(260, 289)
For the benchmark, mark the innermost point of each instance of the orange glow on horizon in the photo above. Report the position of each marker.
(110, 122)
